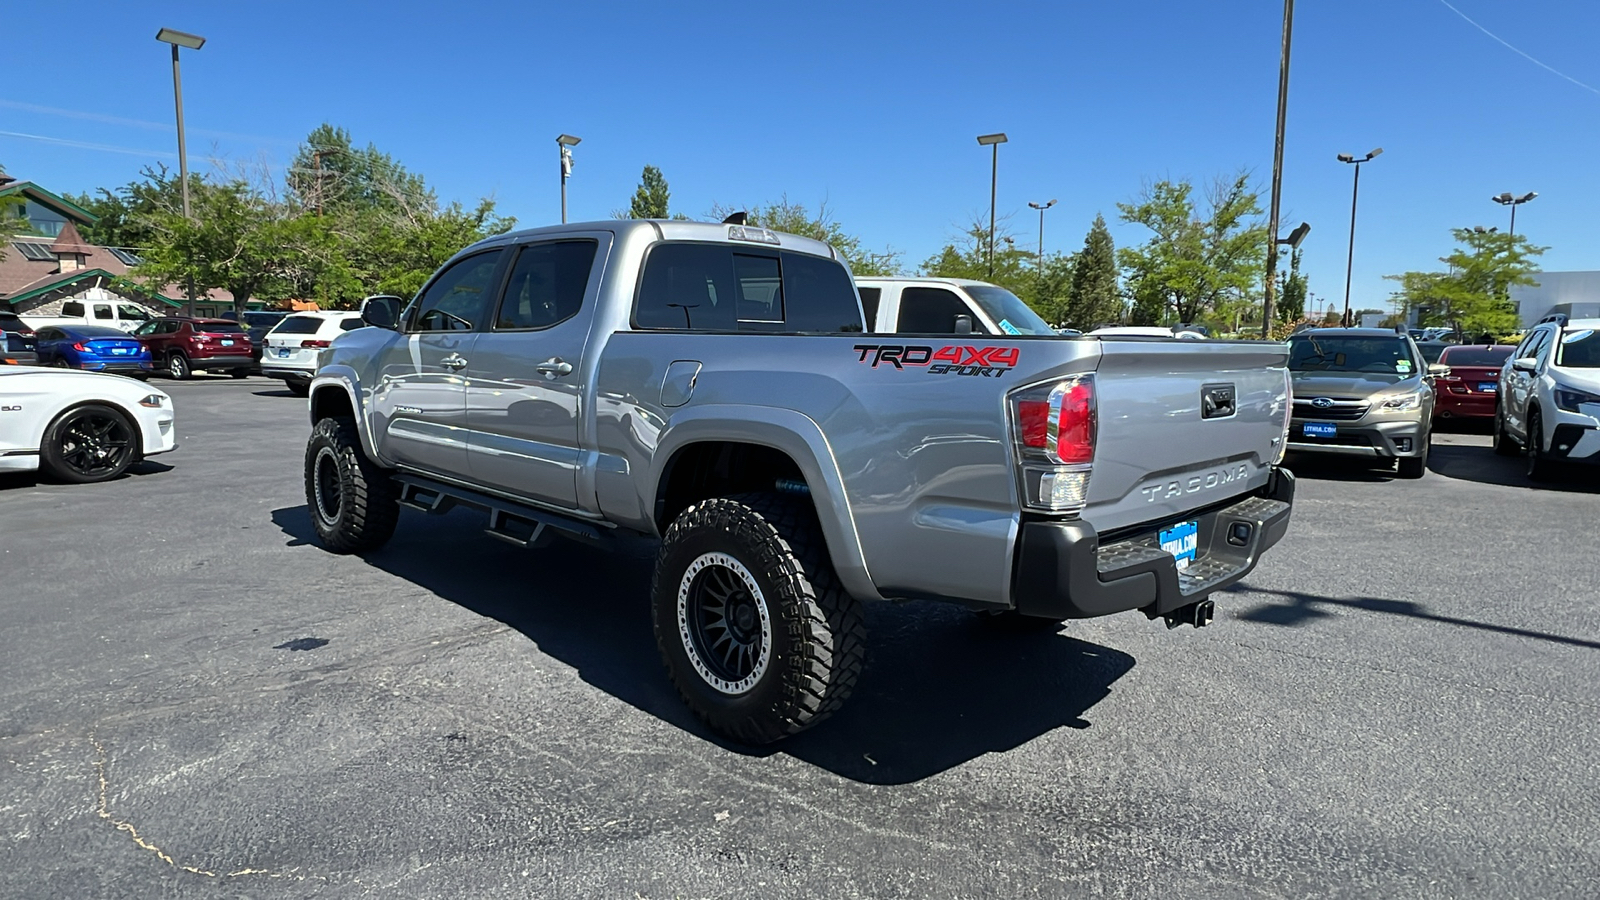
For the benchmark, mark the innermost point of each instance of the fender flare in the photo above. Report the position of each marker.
(802, 440)
(345, 378)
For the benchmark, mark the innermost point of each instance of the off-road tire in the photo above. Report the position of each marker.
(73, 444)
(817, 636)
(178, 367)
(1540, 466)
(352, 501)
(1503, 444)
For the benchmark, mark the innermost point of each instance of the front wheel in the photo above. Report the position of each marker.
(353, 503)
(1416, 466)
(756, 632)
(89, 443)
(1540, 467)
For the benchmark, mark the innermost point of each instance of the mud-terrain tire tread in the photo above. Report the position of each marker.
(370, 507)
(781, 543)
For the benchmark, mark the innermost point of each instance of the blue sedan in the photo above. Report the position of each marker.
(93, 348)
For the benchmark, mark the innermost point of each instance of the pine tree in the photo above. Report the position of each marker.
(650, 200)
(1095, 299)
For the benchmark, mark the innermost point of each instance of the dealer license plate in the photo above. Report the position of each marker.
(283, 352)
(1320, 429)
(1487, 387)
(1181, 541)
(227, 343)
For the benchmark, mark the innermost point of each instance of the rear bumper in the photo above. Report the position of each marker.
(221, 362)
(117, 368)
(302, 376)
(1063, 572)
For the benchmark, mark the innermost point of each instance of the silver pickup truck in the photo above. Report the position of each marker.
(713, 386)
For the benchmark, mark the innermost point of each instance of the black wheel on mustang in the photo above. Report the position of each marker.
(1540, 466)
(756, 632)
(178, 367)
(352, 501)
(1503, 444)
(90, 443)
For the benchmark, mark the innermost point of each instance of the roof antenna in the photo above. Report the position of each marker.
(737, 218)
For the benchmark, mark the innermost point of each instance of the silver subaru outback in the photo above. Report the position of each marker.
(1361, 392)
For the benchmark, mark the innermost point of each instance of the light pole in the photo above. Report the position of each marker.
(1041, 207)
(993, 141)
(566, 142)
(1355, 191)
(193, 42)
(1507, 200)
(1277, 172)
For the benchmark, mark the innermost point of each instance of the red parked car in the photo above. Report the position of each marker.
(1470, 388)
(180, 345)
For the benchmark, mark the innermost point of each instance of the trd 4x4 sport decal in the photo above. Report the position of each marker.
(988, 362)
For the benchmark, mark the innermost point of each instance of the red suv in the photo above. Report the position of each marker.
(181, 345)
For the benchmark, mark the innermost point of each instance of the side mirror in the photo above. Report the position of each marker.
(381, 311)
(963, 324)
(1526, 364)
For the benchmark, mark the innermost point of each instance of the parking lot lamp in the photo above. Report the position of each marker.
(1355, 191)
(1041, 207)
(992, 141)
(566, 142)
(1506, 199)
(193, 42)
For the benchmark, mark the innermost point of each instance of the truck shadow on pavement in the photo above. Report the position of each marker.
(1299, 609)
(1480, 464)
(941, 687)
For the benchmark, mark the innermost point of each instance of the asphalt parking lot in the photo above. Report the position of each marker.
(1401, 701)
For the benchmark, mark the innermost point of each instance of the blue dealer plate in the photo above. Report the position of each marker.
(1488, 387)
(1320, 429)
(1181, 540)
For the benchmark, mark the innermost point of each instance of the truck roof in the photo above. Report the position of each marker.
(677, 230)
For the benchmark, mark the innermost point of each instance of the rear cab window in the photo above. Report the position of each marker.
(720, 287)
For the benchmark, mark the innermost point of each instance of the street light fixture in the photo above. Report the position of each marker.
(992, 141)
(566, 142)
(1041, 207)
(193, 42)
(1355, 192)
(1506, 199)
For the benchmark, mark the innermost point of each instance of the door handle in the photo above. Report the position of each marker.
(454, 361)
(554, 367)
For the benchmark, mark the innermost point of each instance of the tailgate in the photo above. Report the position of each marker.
(1163, 448)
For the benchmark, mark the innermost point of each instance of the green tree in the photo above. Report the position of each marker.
(9, 220)
(126, 214)
(1096, 299)
(1197, 262)
(650, 200)
(1292, 291)
(793, 218)
(1474, 295)
(331, 176)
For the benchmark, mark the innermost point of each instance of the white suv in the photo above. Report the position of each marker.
(294, 345)
(1549, 403)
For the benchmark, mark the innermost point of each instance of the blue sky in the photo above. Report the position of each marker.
(871, 106)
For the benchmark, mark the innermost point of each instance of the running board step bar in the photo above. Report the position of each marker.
(512, 522)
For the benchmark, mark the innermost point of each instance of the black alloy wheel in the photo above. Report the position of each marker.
(90, 443)
(728, 624)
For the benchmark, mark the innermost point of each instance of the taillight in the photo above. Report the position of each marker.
(314, 344)
(1055, 427)
(81, 347)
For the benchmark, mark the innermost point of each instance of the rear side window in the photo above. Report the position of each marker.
(869, 305)
(219, 328)
(72, 308)
(350, 324)
(547, 284)
(299, 325)
(716, 287)
(103, 312)
(930, 311)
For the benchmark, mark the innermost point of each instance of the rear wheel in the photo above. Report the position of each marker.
(756, 632)
(178, 367)
(1540, 466)
(353, 502)
(89, 443)
(239, 373)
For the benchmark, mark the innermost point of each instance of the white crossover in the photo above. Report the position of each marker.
(80, 426)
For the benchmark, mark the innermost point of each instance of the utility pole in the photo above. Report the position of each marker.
(993, 141)
(1350, 258)
(193, 42)
(1277, 172)
(1041, 207)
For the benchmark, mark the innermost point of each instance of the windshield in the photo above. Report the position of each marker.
(1494, 357)
(1008, 311)
(218, 327)
(1579, 349)
(1368, 355)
